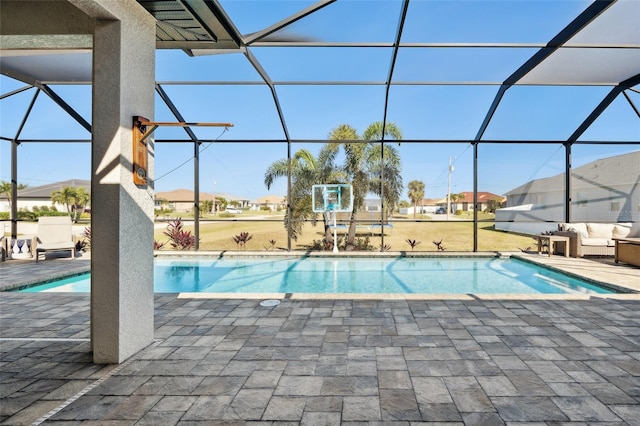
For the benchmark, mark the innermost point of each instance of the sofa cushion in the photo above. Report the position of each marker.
(635, 231)
(600, 230)
(596, 242)
(621, 230)
(580, 228)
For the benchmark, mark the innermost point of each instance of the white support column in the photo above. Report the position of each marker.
(121, 212)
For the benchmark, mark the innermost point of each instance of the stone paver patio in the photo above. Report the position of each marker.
(471, 359)
(324, 362)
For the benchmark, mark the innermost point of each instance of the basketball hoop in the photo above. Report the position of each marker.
(332, 198)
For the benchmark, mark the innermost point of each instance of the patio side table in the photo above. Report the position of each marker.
(552, 241)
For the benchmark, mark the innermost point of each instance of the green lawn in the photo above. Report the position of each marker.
(455, 236)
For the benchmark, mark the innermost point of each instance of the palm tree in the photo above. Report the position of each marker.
(368, 165)
(384, 169)
(6, 190)
(64, 196)
(457, 197)
(385, 164)
(74, 198)
(205, 206)
(416, 193)
(82, 200)
(306, 170)
(375, 129)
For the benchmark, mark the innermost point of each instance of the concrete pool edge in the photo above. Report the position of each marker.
(404, 297)
(618, 277)
(319, 254)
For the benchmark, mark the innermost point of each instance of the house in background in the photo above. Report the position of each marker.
(269, 202)
(428, 205)
(372, 205)
(38, 196)
(183, 200)
(485, 199)
(178, 200)
(606, 190)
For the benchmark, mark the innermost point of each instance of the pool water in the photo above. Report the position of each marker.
(350, 275)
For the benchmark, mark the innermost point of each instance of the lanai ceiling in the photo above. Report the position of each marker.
(429, 55)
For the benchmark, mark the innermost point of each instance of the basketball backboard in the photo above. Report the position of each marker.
(335, 197)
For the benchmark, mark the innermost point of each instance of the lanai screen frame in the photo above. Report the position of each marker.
(245, 44)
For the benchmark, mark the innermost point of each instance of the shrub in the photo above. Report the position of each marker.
(321, 245)
(179, 238)
(86, 238)
(362, 244)
(242, 239)
(439, 245)
(412, 243)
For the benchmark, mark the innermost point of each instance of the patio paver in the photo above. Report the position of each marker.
(473, 359)
(328, 362)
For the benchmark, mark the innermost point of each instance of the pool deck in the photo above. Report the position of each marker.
(472, 359)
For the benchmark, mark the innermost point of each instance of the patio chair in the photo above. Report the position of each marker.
(55, 233)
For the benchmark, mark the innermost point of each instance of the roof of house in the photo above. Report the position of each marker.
(187, 195)
(45, 191)
(270, 199)
(181, 195)
(604, 172)
(483, 197)
(430, 201)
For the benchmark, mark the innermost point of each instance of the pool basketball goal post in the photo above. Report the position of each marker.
(332, 199)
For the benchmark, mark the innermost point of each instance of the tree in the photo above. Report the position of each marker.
(82, 200)
(416, 193)
(493, 204)
(457, 197)
(306, 171)
(74, 198)
(221, 203)
(370, 167)
(65, 196)
(205, 206)
(385, 162)
(6, 190)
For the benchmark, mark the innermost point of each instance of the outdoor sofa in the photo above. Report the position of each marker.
(595, 239)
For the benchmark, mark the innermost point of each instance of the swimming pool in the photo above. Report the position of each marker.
(405, 275)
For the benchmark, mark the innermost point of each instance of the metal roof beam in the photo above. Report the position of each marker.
(392, 65)
(174, 110)
(65, 106)
(257, 36)
(588, 15)
(602, 106)
(256, 64)
(633, 106)
(15, 92)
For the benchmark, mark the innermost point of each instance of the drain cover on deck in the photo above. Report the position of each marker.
(270, 303)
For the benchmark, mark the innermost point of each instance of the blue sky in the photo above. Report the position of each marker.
(450, 111)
